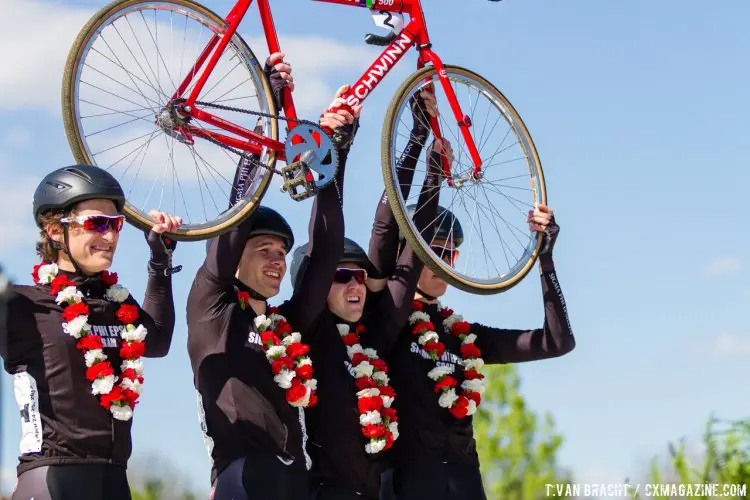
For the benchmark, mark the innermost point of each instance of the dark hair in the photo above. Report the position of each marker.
(46, 247)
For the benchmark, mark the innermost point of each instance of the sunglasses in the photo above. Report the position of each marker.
(344, 275)
(446, 255)
(98, 223)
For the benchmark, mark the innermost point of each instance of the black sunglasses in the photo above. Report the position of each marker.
(344, 275)
(446, 255)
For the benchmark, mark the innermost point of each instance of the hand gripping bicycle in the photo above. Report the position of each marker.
(168, 97)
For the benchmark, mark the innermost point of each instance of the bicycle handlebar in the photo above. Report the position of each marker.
(380, 41)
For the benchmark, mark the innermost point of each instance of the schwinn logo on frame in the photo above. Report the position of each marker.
(379, 69)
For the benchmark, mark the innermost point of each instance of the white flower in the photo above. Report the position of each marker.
(133, 364)
(475, 385)
(133, 334)
(69, 295)
(94, 356)
(262, 323)
(418, 317)
(380, 377)
(77, 326)
(121, 412)
(447, 398)
(439, 372)
(368, 393)
(393, 427)
(353, 349)
(304, 361)
(292, 338)
(375, 445)
(472, 409)
(474, 364)
(117, 293)
(303, 401)
(47, 273)
(470, 338)
(103, 385)
(387, 401)
(133, 385)
(428, 337)
(275, 351)
(370, 418)
(343, 329)
(284, 378)
(364, 369)
(312, 384)
(370, 353)
(448, 322)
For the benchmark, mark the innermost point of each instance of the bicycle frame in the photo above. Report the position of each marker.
(414, 34)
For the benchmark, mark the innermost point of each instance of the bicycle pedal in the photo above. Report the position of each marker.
(298, 181)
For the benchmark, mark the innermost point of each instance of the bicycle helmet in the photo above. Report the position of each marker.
(352, 253)
(67, 186)
(449, 227)
(267, 221)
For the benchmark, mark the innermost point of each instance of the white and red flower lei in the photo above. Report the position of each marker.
(374, 399)
(120, 394)
(469, 398)
(292, 368)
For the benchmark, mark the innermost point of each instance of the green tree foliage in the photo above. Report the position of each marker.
(518, 453)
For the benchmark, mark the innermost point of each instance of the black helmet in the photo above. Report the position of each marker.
(267, 221)
(352, 253)
(69, 185)
(449, 227)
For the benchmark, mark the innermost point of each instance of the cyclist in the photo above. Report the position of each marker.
(250, 399)
(76, 338)
(350, 432)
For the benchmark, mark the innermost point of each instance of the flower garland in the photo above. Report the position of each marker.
(378, 420)
(292, 368)
(118, 395)
(468, 400)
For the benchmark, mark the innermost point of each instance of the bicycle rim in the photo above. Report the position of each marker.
(125, 65)
(498, 248)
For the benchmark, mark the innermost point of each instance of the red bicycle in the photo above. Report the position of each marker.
(168, 96)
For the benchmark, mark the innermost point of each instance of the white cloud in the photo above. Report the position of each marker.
(16, 223)
(732, 345)
(724, 266)
(7, 480)
(17, 138)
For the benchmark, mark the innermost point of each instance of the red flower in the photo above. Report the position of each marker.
(422, 327)
(296, 392)
(472, 374)
(445, 313)
(273, 310)
(371, 403)
(59, 283)
(101, 369)
(365, 383)
(297, 349)
(360, 329)
(350, 339)
(114, 396)
(460, 408)
(313, 399)
(243, 298)
(90, 342)
(460, 328)
(283, 328)
(269, 338)
(73, 311)
(387, 390)
(305, 372)
(446, 382)
(109, 279)
(470, 351)
(132, 350)
(373, 431)
(127, 313)
(388, 440)
(435, 348)
(35, 273)
(132, 375)
(417, 305)
(380, 365)
(130, 397)
(359, 357)
(389, 413)
(279, 364)
(474, 396)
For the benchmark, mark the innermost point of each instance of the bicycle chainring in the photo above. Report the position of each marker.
(317, 153)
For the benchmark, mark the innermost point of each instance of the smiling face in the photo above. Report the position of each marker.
(346, 298)
(263, 264)
(92, 239)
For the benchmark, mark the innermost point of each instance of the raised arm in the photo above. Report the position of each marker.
(554, 339)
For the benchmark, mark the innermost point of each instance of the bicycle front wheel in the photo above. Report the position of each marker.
(497, 249)
(120, 111)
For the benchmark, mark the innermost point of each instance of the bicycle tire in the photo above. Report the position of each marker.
(75, 140)
(398, 206)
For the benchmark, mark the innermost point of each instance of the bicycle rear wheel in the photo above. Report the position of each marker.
(121, 74)
(497, 252)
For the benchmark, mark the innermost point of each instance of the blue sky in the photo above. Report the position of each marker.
(639, 111)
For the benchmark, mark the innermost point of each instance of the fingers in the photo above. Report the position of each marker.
(332, 120)
(165, 223)
(275, 58)
(430, 103)
(540, 218)
(342, 90)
